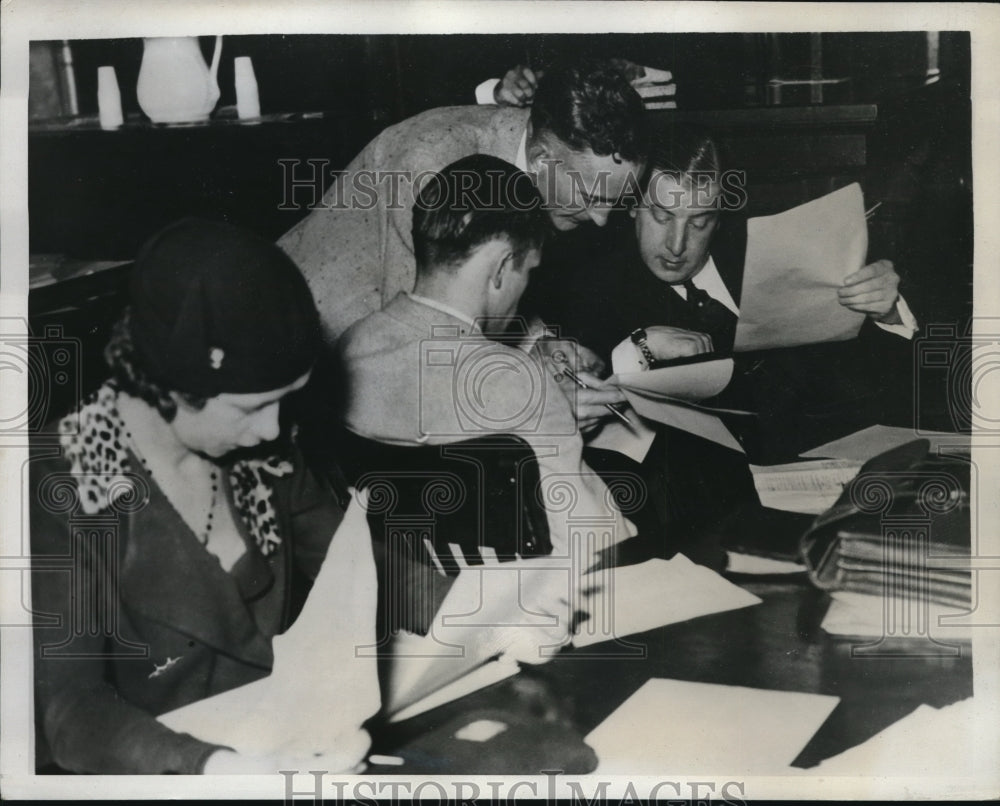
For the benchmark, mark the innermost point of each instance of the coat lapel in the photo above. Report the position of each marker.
(169, 578)
(729, 247)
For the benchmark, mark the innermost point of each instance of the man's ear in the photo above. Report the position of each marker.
(538, 149)
(505, 264)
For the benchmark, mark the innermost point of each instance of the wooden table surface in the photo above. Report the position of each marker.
(774, 645)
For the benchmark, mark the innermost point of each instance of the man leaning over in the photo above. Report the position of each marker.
(580, 143)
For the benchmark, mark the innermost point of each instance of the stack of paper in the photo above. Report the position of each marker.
(863, 615)
(678, 727)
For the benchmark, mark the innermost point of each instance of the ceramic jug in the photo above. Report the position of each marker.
(175, 85)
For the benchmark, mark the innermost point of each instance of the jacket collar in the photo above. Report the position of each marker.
(166, 575)
(94, 443)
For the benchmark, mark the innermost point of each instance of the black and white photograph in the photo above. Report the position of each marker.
(470, 401)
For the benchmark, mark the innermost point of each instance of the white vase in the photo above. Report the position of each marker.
(175, 85)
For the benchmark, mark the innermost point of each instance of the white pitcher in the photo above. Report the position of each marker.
(175, 85)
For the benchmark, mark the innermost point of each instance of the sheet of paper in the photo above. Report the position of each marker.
(482, 616)
(928, 742)
(688, 382)
(317, 670)
(863, 445)
(795, 262)
(862, 615)
(486, 675)
(637, 598)
(632, 440)
(752, 564)
(807, 487)
(699, 423)
(673, 726)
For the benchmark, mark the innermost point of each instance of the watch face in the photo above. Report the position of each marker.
(638, 335)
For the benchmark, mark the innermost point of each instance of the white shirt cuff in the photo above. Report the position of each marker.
(907, 327)
(484, 92)
(626, 358)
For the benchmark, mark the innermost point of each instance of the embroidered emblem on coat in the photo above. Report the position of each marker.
(162, 669)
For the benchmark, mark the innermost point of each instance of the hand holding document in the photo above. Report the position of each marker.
(699, 728)
(795, 262)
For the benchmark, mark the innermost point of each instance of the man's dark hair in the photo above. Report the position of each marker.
(591, 104)
(689, 151)
(684, 149)
(471, 202)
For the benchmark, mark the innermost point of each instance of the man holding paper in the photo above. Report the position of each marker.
(682, 277)
(681, 286)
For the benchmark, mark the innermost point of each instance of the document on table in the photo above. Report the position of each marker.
(317, 670)
(795, 262)
(486, 675)
(928, 742)
(807, 487)
(869, 442)
(636, 598)
(677, 726)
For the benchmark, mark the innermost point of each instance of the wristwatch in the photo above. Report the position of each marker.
(638, 337)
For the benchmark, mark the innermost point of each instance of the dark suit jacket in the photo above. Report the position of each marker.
(802, 395)
(600, 300)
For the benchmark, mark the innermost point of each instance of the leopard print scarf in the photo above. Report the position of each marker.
(93, 441)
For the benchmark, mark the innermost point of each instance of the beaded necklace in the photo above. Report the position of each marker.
(206, 533)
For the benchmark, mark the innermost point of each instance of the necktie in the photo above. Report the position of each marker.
(711, 316)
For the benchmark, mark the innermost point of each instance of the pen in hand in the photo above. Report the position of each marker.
(573, 377)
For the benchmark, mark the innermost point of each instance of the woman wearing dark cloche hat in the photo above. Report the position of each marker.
(213, 512)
